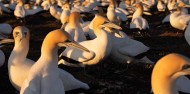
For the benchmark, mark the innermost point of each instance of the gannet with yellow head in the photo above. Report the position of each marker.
(100, 46)
(74, 28)
(166, 72)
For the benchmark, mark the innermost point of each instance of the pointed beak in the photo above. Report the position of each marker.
(74, 44)
(111, 25)
(187, 6)
(2, 41)
(147, 13)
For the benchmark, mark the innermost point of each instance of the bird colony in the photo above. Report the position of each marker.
(50, 46)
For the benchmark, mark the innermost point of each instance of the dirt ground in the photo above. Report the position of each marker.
(107, 77)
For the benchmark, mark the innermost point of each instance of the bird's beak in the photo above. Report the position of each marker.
(187, 6)
(147, 13)
(74, 44)
(172, 10)
(2, 41)
(111, 25)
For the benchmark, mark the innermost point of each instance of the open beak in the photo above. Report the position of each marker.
(74, 44)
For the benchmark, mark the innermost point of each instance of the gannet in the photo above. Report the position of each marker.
(19, 65)
(44, 76)
(65, 14)
(55, 11)
(183, 6)
(166, 72)
(74, 28)
(179, 20)
(149, 3)
(183, 11)
(21, 12)
(161, 5)
(171, 4)
(116, 15)
(46, 4)
(100, 46)
(137, 20)
(127, 49)
(92, 4)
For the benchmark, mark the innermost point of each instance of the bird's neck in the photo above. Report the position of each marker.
(164, 83)
(138, 12)
(73, 23)
(20, 3)
(49, 53)
(167, 86)
(21, 48)
(96, 29)
(19, 53)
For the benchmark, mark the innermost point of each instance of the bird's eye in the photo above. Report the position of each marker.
(25, 33)
(17, 33)
(68, 41)
(185, 67)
